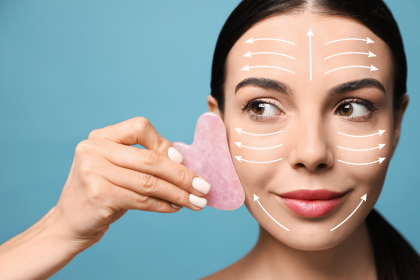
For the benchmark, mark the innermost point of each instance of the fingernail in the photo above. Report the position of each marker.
(198, 201)
(201, 185)
(175, 155)
(176, 206)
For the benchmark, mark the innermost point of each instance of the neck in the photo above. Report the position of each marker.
(351, 259)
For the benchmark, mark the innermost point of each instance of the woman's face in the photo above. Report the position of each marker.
(315, 110)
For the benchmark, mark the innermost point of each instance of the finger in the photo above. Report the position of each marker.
(153, 163)
(138, 130)
(149, 185)
(103, 194)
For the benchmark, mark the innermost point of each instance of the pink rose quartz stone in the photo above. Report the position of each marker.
(209, 157)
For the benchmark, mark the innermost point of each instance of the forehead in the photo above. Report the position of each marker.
(281, 49)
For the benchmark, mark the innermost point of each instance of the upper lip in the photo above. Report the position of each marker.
(306, 194)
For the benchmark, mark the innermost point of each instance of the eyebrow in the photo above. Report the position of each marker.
(285, 89)
(356, 84)
(266, 84)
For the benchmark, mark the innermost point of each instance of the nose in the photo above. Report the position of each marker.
(310, 147)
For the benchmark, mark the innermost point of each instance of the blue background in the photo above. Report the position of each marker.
(68, 67)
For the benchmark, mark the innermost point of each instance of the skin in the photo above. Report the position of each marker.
(310, 120)
(109, 177)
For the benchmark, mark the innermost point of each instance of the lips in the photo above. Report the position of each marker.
(312, 203)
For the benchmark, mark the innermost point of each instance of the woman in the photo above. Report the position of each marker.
(307, 72)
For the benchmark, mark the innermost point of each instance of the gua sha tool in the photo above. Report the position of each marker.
(209, 157)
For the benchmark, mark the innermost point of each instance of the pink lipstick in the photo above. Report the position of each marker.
(312, 203)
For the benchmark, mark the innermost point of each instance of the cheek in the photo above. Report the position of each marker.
(257, 167)
(368, 172)
(367, 178)
(255, 177)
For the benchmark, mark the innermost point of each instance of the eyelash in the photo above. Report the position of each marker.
(248, 106)
(249, 103)
(366, 103)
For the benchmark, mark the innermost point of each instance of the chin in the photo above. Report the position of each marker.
(315, 238)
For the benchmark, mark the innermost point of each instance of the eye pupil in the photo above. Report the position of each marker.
(346, 110)
(258, 108)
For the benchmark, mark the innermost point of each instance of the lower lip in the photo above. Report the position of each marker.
(312, 208)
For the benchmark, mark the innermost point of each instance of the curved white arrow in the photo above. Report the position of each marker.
(249, 54)
(239, 158)
(246, 68)
(381, 159)
(380, 132)
(371, 67)
(369, 54)
(368, 41)
(239, 130)
(362, 198)
(380, 146)
(251, 41)
(239, 144)
(256, 199)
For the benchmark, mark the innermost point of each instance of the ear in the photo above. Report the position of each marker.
(397, 122)
(213, 105)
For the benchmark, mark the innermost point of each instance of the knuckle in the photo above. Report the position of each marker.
(141, 124)
(105, 214)
(83, 148)
(180, 197)
(160, 143)
(160, 205)
(93, 134)
(151, 158)
(86, 167)
(96, 193)
(144, 201)
(184, 175)
(149, 182)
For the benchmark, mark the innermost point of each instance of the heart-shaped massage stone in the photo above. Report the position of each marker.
(209, 157)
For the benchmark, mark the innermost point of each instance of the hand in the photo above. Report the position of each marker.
(108, 177)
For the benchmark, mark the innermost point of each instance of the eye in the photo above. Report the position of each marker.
(261, 110)
(356, 109)
(264, 109)
(352, 110)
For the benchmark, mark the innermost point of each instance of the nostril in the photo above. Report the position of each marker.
(300, 165)
(319, 166)
(322, 165)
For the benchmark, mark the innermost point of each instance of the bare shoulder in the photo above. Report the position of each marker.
(234, 271)
(226, 273)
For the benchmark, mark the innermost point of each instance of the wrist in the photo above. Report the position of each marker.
(42, 248)
(57, 229)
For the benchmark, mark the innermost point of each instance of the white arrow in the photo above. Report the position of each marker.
(251, 41)
(239, 144)
(239, 158)
(246, 68)
(239, 130)
(380, 146)
(249, 54)
(310, 34)
(381, 159)
(380, 132)
(362, 198)
(256, 198)
(369, 54)
(371, 67)
(368, 41)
